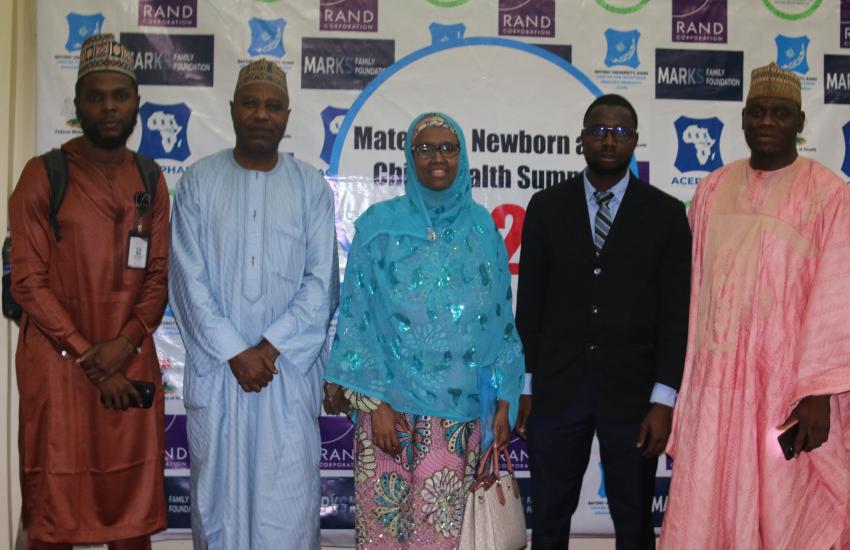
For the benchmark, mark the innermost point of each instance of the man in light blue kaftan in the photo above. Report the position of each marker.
(253, 285)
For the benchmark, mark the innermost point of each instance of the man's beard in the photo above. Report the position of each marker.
(101, 142)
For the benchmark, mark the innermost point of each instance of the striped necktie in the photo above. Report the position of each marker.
(602, 223)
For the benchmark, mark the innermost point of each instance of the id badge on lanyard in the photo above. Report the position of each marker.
(138, 241)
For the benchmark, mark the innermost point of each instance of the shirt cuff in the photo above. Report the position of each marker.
(527, 389)
(663, 395)
(77, 343)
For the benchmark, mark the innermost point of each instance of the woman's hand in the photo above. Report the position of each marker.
(501, 426)
(384, 422)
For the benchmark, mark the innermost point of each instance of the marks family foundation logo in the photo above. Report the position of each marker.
(172, 59)
(527, 18)
(698, 147)
(836, 81)
(699, 74)
(343, 63)
(699, 21)
(348, 15)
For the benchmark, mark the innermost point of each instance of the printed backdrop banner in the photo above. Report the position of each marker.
(516, 74)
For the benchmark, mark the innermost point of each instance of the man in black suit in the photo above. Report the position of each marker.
(602, 309)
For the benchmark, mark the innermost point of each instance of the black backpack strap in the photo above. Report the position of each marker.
(57, 175)
(149, 170)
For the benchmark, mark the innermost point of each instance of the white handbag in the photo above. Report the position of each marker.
(493, 518)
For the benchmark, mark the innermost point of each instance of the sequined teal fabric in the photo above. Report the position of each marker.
(427, 325)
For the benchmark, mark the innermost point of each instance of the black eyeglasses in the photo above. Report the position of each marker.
(598, 131)
(429, 150)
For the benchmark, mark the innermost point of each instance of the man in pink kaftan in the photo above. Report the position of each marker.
(769, 345)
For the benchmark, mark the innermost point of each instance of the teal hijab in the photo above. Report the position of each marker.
(425, 320)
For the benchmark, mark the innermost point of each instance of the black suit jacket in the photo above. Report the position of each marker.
(622, 317)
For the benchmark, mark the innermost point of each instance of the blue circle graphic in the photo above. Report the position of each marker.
(385, 75)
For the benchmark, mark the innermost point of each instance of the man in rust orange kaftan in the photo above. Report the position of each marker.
(91, 462)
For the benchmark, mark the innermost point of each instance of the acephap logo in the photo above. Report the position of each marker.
(699, 74)
(165, 130)
(698, 147)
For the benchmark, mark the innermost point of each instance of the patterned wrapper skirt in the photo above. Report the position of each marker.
(415, 500)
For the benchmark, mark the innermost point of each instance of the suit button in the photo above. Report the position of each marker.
(594, 310)
(597, 270)
(592, 347)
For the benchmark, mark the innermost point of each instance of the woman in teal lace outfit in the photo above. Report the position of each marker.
(426, 349)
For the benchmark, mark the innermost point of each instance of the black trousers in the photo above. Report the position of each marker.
(559, 451)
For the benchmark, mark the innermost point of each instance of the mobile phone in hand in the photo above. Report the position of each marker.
(146, 391)
(786, 441)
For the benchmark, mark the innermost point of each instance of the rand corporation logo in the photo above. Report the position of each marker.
(445, 34)
(699, 146)
(81, 27)
(176, 443)
(348, 15)
(331, 121)
(266, 37)
(168, 13)
(791, 53)
(164, 131)
(844, 26)
(172, 59)
(622, 48)
(699, 74)
(527, 18)
(343, 63)
(836, 82)
(792, 9)
(845, 166)
(699, 21)
(622, 7)
(337, 443)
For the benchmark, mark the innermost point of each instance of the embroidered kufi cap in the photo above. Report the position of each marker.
(774, 81)
(101, 52)
(262, 70)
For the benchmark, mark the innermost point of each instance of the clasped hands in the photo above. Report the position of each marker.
(102, 364)
(254, 367)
